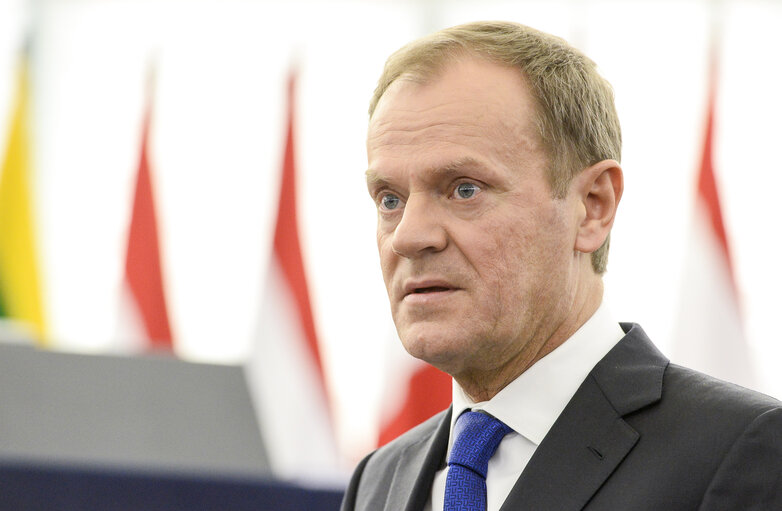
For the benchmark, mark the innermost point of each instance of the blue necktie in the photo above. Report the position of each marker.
(476, 436)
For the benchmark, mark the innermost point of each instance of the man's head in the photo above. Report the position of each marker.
(487, 264)
(575, 115)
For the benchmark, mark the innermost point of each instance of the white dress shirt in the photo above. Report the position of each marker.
(531, 403)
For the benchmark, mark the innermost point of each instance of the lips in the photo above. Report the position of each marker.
(425, 287)
(432, 289)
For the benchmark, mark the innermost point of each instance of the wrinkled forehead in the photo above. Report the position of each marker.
(476, 116)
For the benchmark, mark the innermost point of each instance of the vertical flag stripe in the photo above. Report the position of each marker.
(709, 333)
(142, 266)
(284, 371)
(428, 392)
(286, 239)
(707, 184)
(19, 278)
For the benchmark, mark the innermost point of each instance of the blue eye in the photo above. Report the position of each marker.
(466, 190)
(389, 201)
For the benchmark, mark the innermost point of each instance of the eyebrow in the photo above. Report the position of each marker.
(458, 166)
(451, 168)
(373, 177)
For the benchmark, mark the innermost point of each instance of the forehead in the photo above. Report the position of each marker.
(472, 105)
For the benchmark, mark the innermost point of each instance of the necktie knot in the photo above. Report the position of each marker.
(476, 436)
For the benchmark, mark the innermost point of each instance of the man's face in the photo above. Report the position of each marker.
(477, 255)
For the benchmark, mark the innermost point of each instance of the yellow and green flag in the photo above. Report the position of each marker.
(20, 296)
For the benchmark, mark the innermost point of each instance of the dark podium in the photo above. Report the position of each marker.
(109, 433)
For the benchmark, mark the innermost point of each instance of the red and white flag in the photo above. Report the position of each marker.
(414, 391)
(285, 371)
(709, 334)
(144, 322)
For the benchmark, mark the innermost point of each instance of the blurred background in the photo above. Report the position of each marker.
(213, 77)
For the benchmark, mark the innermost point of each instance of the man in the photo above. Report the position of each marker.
(494, 162)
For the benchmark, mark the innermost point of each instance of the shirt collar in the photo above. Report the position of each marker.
(532, 402)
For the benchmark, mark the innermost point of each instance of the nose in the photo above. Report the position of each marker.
(420, 230)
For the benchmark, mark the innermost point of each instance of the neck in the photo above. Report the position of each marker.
(482, 385)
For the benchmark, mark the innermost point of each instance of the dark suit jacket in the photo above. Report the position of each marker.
(639, 434)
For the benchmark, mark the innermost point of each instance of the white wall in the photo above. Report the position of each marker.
(217, 150)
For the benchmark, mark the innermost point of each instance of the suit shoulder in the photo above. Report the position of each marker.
(420, 433)
(399, 464)
(720, 412)
(706, 392)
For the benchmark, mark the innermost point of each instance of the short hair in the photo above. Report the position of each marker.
(576, 117)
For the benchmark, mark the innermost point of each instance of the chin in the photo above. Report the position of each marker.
(435, 349)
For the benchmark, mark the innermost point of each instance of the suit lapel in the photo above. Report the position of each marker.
(590, 438)
(416, 469)
(584, 446)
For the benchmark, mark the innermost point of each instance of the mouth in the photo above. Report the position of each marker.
(430, 289)
(422, 289)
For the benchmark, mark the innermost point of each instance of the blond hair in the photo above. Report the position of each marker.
(576, 116)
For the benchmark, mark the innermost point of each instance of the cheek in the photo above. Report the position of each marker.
(387, 256)
(501, 262)
(508, 250)
(514, 263)
(511, 276)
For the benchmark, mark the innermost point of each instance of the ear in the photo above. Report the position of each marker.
(599, 188)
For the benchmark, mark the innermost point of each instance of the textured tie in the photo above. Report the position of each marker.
(476, 437)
